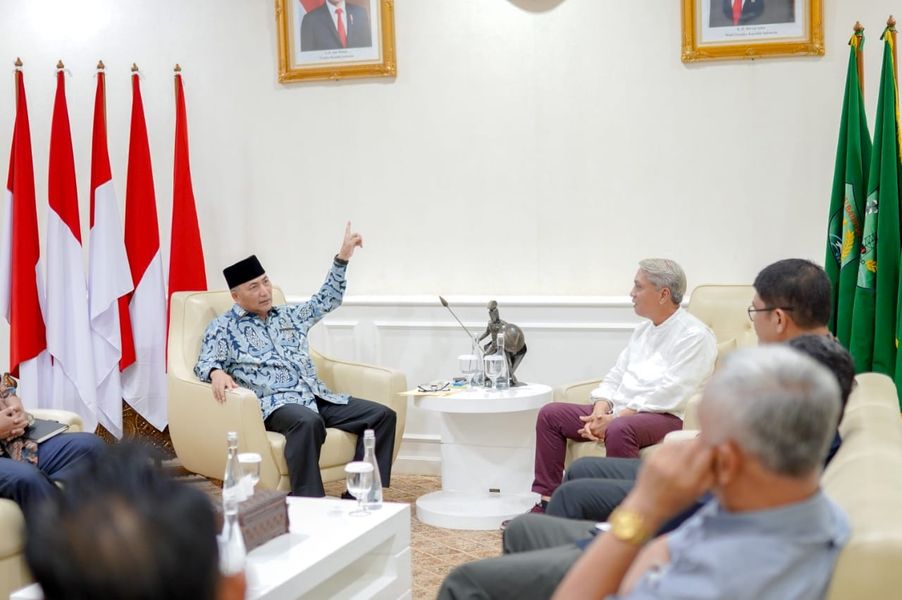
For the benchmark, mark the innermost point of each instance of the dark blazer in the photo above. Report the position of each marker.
(754, 12)
(318, 31)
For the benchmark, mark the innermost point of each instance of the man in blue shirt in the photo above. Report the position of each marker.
(264, 348)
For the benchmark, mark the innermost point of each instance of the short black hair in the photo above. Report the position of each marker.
(830, 353)
(124, 530)
(799, 284)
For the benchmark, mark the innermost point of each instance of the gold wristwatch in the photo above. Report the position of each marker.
(629, 526)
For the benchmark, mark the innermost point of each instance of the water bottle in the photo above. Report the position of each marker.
(232, 551)
(374, 497)
(503, 379)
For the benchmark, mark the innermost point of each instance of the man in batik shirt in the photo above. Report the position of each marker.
(264, 348)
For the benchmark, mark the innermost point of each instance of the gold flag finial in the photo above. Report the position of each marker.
(60, 65)
(178, 68)
(134, 67)
(100, 65)
(18, 63)
(891, 22)
(859, 28)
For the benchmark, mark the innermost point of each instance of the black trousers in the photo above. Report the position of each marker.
(593, 487)
(305, 432)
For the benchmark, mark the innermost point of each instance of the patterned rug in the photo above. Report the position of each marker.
(434, 551)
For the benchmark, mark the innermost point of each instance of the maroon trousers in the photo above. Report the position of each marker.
(559, 422)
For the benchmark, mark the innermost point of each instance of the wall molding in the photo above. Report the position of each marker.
(569, 339)
(421, 300)
(477, 326)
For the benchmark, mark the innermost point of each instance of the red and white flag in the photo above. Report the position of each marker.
(109, 278)
(68, 321)
(21, 295)
(144, 382)
(186, 255)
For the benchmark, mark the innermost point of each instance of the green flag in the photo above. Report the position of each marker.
(873, 343)
(853, 154)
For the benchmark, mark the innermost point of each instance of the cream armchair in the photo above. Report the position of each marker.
(198, 423)
(13, 571)
(720, 307)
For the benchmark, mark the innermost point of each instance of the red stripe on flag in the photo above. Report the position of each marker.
(142, 235)
(186, 257)
(125, 329)
(100, 155)
(27, 337)
(61, 186)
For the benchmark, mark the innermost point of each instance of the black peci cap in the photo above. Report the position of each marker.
(243, 271)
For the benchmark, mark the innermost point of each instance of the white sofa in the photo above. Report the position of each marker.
(865, 478)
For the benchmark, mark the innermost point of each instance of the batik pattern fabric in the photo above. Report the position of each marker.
(271, 356)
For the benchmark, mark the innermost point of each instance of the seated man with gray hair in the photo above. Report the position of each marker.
(767, 418)
(642, 398)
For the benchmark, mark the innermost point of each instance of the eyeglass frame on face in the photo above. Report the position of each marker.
(751, 310)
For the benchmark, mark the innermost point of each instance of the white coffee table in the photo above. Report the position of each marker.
(488, 451)
(326, 554)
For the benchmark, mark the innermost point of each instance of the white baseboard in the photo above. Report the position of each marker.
(420, 454)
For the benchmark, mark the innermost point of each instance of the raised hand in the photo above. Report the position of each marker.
(351, 241)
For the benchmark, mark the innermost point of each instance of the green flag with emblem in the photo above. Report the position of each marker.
(873, 341)
(846, 217)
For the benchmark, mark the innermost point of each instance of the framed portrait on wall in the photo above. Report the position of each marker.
(335, 39)
(737, 29)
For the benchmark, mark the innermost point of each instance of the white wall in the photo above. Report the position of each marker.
(528, 147)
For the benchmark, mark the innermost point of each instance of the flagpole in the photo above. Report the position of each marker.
(891, 27)
(101, 70)
(177, 73)
(859, 56)
(18, 68)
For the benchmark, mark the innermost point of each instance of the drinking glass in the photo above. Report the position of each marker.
(250, 470)
(494, 366)
(469, 364)
(360, 480)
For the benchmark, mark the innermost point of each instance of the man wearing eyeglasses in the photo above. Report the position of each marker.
(792, 298)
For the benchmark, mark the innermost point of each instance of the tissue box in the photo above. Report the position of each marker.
(262, 517)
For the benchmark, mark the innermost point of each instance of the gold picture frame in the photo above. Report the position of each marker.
(309, 47)
(720, 30)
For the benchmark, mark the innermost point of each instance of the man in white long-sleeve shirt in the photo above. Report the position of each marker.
(668, 359)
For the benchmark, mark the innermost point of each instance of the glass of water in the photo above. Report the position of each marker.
(469, 365)
(359, 481)
(494, 366)
(249, 462)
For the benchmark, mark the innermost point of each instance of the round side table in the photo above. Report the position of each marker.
(488, 450)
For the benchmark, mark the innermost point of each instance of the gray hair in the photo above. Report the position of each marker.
(777, 404)
(665, 273)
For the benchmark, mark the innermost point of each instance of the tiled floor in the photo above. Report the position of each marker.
(434, 551)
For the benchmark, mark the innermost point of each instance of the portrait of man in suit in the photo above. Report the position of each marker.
(732, 13)
(336, 24)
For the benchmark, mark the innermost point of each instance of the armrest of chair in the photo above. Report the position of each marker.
(681, 435)
(576, 393)
(690, 416)
(198, 425)
(379, 384)
(63, 416)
